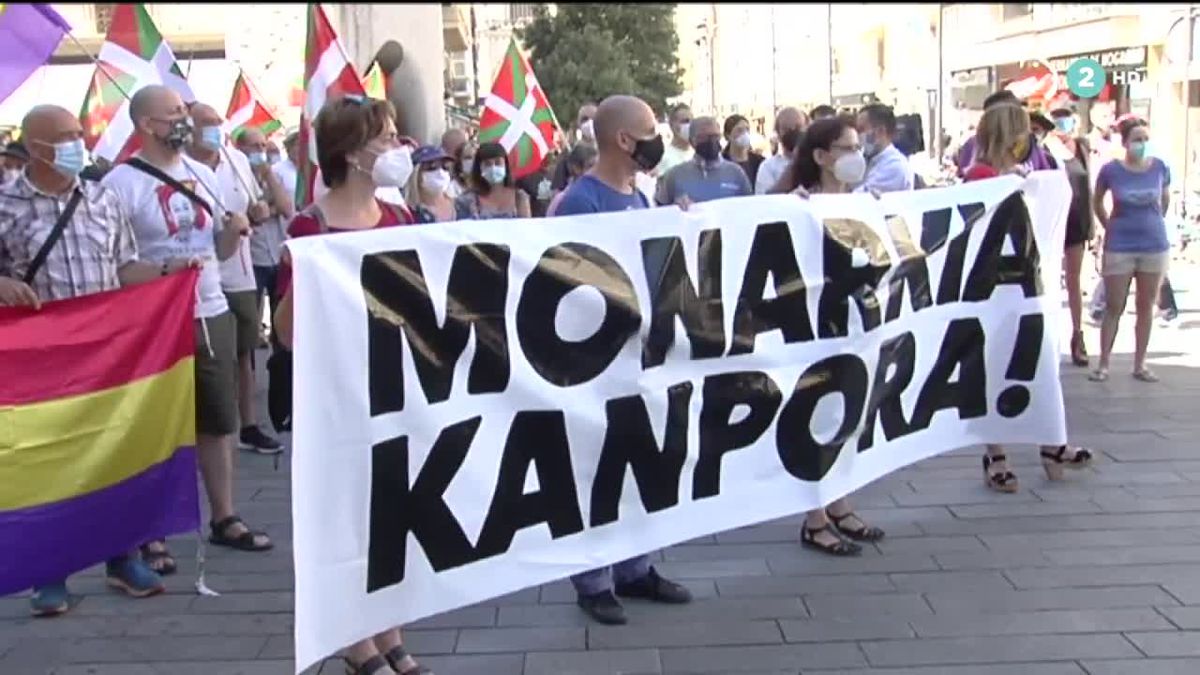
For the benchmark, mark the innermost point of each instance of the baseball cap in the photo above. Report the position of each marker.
(429, 153)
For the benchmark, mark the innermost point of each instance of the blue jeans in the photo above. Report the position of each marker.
(601, 580)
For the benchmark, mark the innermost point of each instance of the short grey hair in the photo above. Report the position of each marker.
(698, 122)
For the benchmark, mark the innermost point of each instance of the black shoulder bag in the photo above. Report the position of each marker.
(279, 364)
(59, 227)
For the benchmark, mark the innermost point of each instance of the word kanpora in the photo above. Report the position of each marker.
(401, 311)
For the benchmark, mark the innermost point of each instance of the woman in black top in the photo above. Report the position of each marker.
(737, 147)
(1072, 150)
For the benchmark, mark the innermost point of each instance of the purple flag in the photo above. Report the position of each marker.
(30, 33)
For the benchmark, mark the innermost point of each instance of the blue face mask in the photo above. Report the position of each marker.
(1138, 149)
(70, 157)
(257, 158)
(494, 174)
(211, 137)
(1065, 124)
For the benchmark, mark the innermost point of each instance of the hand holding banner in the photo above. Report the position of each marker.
(534, 400)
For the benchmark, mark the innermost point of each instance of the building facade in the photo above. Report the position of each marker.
(991, 46)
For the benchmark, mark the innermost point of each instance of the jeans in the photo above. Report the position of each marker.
(600, 580)
(266, 278)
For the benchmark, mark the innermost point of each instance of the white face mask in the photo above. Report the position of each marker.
(587, 130)
(436, 181)
(742, 140)
(468, 164)
(685, 131)
(11, 174)
(393, 168)
(850, 168)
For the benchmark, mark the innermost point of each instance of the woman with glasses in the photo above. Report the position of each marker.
(492, 192)
(829, 160)
(358, 152)
(428, 191)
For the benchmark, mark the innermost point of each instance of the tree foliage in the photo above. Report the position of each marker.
(588, 51)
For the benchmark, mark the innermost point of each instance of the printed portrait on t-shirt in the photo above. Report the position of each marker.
(180, 213)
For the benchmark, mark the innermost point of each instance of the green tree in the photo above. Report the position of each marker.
(588, 51)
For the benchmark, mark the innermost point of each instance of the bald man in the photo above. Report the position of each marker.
(185, 214)
(242, 192)
(266, 242)
(628, 143)
(790, 124)
(96, 252)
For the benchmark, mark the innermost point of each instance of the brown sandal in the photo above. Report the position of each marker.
(396, 657)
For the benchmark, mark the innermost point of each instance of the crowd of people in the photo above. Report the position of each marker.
(193, 198)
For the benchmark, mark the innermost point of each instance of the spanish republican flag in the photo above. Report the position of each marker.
(97, 428)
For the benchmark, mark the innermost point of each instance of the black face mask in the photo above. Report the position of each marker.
(790, 139)
(649, 152)
(709, 149)
(179, 135)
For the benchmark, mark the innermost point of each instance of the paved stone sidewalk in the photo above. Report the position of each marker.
(1099, 575)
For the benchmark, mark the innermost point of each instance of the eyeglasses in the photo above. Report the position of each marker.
(848, 148)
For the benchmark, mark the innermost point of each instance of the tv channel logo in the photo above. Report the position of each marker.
(1086, 78)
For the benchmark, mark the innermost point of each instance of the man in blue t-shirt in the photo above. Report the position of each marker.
(628, 142)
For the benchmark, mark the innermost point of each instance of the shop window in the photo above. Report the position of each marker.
(103, 13)
(1016, 11)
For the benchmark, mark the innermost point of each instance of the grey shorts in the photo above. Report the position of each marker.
(1127, 264)
(244, 307)
(216, 376)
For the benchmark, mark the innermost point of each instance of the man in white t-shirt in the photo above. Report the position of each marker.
(266, 244)
(679, 150)
(240, 193)
(790, 124)
(172, 223)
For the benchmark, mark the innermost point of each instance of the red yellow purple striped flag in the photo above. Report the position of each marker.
(97, 428)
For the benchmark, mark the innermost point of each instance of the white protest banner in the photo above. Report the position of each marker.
(481, 407)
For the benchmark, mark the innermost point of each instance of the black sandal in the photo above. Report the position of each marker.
(865, 533)
(151, 557)
(242, 542)
(1054, 462)
(396, 657)
(1001, 481)
(369, 667)
(843, 548)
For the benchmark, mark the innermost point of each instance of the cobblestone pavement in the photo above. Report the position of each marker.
(1099, 574)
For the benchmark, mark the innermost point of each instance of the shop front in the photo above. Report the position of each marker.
(1126, 91)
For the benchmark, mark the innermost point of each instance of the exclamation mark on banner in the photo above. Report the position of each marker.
(1026, 353)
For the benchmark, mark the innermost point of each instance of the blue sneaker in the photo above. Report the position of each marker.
(133, 577)
(50, 600)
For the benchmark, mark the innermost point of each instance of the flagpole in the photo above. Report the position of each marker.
(99, 67)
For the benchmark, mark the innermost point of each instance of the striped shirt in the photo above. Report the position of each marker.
(95, 244)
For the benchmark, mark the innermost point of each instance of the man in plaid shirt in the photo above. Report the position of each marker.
(97, 252)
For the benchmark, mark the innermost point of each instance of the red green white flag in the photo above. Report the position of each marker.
(133, 56)
(517, 114)
(328, 74)
(247, 112)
